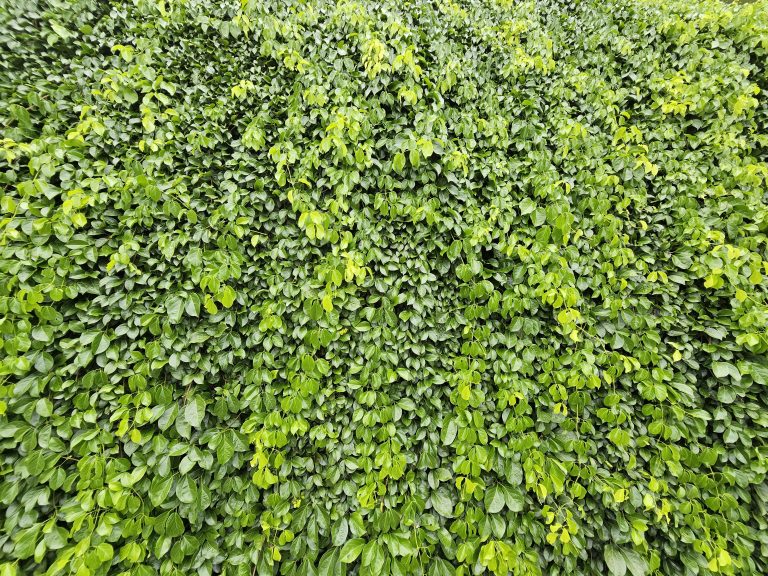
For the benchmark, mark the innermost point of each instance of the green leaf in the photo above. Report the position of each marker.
(494, 499)
(192, 305)
(329, 563)
(307, 363)
(414, 157)
(227, 296)
(442, 503)
(637, 565)
(194, 411)
(159, 489)
(226, 449)
(7, 205)
(515, 499)
(175, 307)
(57, 538)
(399, 162)
(426, 147)
(44, 407)
(440, 567)
(26, 540)
(186, 490)
(449, 431)
(351, 550)
(100, 344)
(724, 369)
(174, 526)
(373, 556)
(614, 559)
(340, 531)
(759, 373)
(527, 205)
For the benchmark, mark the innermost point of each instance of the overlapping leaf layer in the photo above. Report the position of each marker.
(382, 287)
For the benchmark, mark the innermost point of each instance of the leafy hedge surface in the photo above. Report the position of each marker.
(388, 287)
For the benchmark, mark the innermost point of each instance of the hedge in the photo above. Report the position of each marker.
(323, 287)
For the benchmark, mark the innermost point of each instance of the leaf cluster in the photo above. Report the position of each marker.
(326, 287)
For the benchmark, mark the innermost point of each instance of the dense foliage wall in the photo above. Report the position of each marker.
(383, 287)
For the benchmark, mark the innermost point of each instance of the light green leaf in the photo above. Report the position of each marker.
(399, 162)
(227, 296)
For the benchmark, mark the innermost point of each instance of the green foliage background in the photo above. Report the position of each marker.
(382, 287)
